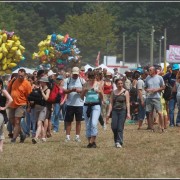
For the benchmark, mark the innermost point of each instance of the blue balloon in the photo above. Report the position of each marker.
(53, 37)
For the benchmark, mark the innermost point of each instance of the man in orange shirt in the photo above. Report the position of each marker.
(20, 89)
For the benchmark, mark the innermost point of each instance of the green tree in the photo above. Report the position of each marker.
(92, 31)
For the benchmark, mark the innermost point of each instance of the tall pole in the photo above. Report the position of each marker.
(106, 52)
(165, 39)
(152, 44)
(123, 48)
(137, 49)
(160, 52)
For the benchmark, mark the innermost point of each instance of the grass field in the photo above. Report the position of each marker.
(145, 154)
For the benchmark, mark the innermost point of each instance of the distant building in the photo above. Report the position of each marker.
(111, 62)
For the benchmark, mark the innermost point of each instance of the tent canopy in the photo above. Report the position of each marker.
(87, 66)
(30, 71)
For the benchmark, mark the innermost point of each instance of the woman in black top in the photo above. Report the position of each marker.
(120, 107)
(5, 101)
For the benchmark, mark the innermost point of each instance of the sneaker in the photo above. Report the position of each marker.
(35, 140)
(89, 145)
(92, 145)
(10, 135)
(118, 145)
(22, 138)
(77, 139)
(67, 139)
(13, 140)
(43, 139)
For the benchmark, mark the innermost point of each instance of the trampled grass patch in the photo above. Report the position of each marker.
(145, 154)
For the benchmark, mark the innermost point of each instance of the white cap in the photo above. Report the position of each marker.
(50, 73)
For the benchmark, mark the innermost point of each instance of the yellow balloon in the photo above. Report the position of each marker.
(17, 43)
(12, 65)
(4, 37)
(10, 55)
(40, 44)
(60, 38)
(4, 60)
(14, 48)
(21, 47)
(41, 53)
(4, 67)
(15, 38)
(48, 37)
(1, 55)
(4, 50)
(18, 52)
(8, 61)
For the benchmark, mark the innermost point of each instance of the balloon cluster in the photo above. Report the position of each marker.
(56, 51)
(11, 52)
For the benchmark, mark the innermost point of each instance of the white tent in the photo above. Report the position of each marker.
(26, 69)
(108, 69)
(87, 66)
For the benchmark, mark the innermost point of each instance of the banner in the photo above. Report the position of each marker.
(174, 54)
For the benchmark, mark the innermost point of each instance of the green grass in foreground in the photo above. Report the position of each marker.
(145, 155)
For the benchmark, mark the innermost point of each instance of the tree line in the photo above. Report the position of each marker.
(97, 26)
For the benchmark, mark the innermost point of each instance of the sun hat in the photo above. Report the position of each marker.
(44, 79)
(175, 67)
(50, 73)
(75, 70)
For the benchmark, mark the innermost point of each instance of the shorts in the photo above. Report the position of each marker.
(1, 127)
(153, 103)
(72, 111)
(18, 112)
(40, 112)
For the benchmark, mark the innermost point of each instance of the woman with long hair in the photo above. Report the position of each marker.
(120, 107)
(5, 101)
(93, 94)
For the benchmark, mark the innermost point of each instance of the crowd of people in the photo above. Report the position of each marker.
(95, 96)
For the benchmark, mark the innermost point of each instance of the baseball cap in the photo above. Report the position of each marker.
(75, 70)
(50, 73)
(82, 68)
(175, 67)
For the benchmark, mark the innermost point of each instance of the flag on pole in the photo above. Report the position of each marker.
(97, 59)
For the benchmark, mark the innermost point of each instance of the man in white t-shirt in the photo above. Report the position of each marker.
(73, 87)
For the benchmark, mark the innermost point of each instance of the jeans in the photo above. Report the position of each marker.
(117, 124)
(178, 114)
(172, 103)
(26, 123)
(57, 115)
(141, 110)
(33, 121)
(92, 121)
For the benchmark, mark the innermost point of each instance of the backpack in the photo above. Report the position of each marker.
(54, 96)
(167, 92)
(36, 97)
(69, 80)
(133, 94)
